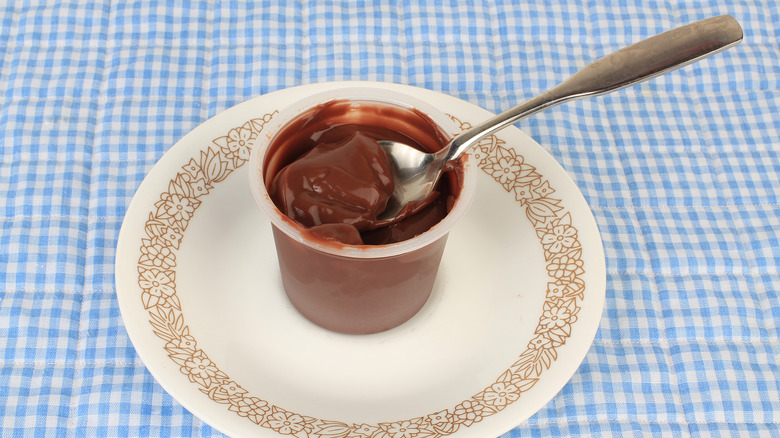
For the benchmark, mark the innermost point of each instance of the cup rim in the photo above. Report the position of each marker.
(363, 92)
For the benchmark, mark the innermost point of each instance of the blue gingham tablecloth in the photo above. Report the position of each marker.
(682, 174)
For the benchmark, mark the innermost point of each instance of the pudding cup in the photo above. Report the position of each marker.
(356, 289)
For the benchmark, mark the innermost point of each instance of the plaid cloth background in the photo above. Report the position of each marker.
(682, 174)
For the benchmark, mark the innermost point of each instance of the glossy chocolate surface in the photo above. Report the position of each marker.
(328, 173)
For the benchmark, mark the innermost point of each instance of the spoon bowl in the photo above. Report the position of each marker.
(415, 172)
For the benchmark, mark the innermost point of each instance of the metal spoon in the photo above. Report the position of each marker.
(416, 172)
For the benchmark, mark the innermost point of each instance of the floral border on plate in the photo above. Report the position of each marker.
(166, 228)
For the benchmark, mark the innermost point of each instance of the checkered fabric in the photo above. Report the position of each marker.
(682, 174)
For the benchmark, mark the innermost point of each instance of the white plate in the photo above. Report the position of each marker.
(515, 308)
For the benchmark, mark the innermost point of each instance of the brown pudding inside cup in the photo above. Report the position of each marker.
(326, 171)
(387, 278)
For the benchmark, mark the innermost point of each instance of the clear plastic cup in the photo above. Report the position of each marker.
(358, 289)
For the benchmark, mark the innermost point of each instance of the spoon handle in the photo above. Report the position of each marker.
(630, 65)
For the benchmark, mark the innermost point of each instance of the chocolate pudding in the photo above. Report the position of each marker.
(326, 171)
(323, 180)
